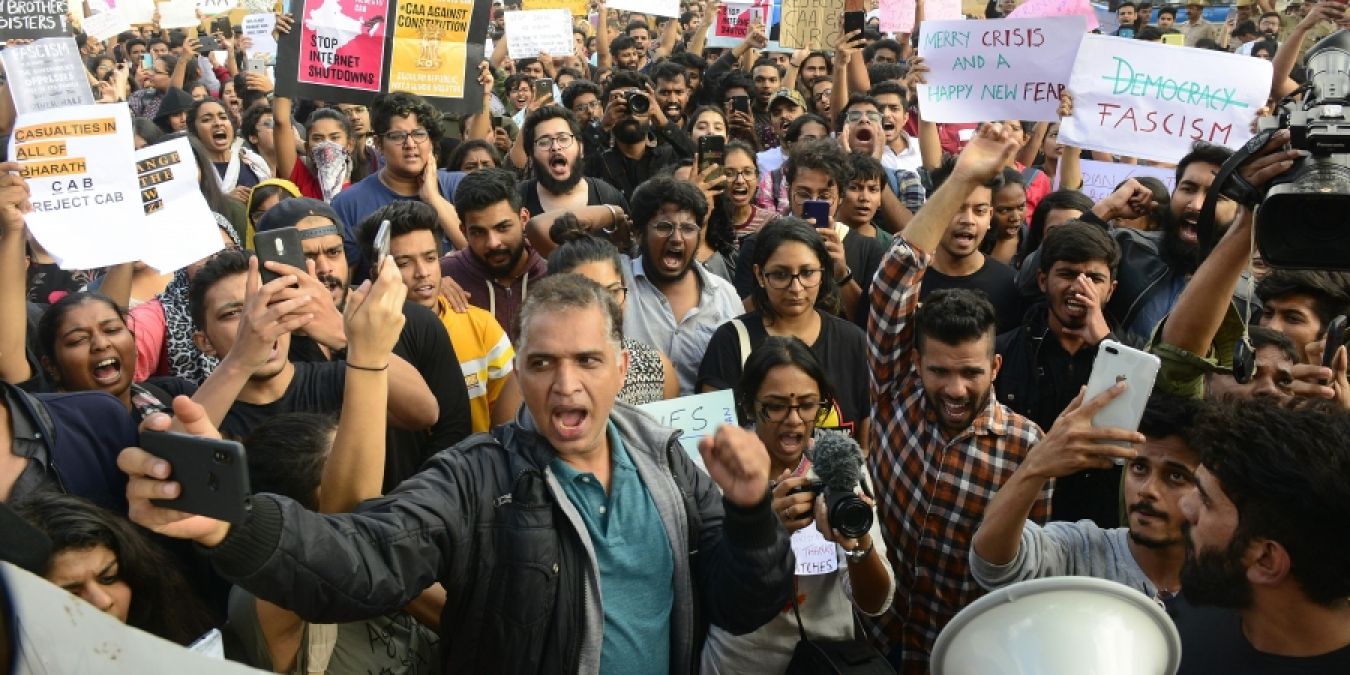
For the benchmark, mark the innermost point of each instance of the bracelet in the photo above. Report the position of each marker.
(367, 368)
(859, 555)
(847, 278)
(613, 217)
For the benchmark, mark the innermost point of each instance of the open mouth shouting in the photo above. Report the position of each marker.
(956, 413)
(220, 136)
(559, 166)
(888, 127)
(792, 442)
(673, 112)
(569, 421)
(672, 258)
(1074, 308)
(739, 193)
(108, 372)
(424, 292)
(964, 239)
(863, 135)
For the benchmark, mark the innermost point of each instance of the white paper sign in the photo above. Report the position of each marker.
(136, 12)
(47, 74)
(177, 226)
(1101, 178)
(669, 8)
(178, 14)
(86, 207)
(105, 25)
(695, 416)
(530, 32)
(258, 29)
(814, 554)
(897, 16)
(997, 69)
(1153, 101)
(214, 7)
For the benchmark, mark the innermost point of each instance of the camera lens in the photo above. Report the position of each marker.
(850, 515)
(638, 103)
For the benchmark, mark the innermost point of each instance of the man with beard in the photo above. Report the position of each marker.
(1265, 583)
(553, 137)
(674, 304)
(583, 99)
(421, 343)
(498, 265)
(1146, 555)
(248, 325)
(672, 90)
(944, 445)
(957, 260)
(785, 106)
(632, 160)
(1047, 359)
(409, 130)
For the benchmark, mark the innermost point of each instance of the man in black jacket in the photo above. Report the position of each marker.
(1048, 358)
(634, 157)
(525, 526)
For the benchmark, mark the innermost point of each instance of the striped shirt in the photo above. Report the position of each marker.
(485, 356)
(931, 491)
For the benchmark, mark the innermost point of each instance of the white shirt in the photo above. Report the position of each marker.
(771, 160)
(909, 159)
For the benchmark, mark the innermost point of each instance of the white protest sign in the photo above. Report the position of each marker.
(105, 25)
(178, 14)
(695, 416)
(1153, 101)
(996, 69)
(214, 7)
(86, 207)
(535, 31)
(814, 554)
(136, 12)
(669, 8)
(177, 227)
(942, 10)
(47, 74)
(1101, 178)
(258, 29)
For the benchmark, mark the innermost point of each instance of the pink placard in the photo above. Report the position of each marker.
(1032, 9)
(897, 16)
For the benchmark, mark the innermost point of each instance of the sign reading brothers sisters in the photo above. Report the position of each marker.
(347, 51)
(32, 19)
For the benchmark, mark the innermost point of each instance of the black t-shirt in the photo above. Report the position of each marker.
(626, 174)
(841, 348)
(1212, 642)
(863, 255)
(996, 279)
(597, 192)
(316, 388)
(45, 279)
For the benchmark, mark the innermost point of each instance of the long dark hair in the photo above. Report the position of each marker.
(776, 351)
(783, 230)
(51, 320)
(721, 234)
(162, 603)
(208, 179)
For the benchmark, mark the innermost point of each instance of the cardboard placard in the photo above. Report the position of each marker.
(430, 55)
(536, 31)
(695, 416)
(105, 25)
(997, 69)
(214, 7)
(177, 227)
(810, 22)
(258, 29)
(47, 74)
(670, 8)
(1047, 8)
(814, 554)
(897, 16)
(1152, 101)
(32, 19)
(576, 7)
(178, 14)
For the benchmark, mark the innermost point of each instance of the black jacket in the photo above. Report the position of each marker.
(490, 522)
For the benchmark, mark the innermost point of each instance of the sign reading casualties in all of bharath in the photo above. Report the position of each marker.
(347, 50)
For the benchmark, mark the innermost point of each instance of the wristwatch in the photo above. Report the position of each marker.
(859, 554)
(848, 276)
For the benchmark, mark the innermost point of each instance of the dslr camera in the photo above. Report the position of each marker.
(638, 102)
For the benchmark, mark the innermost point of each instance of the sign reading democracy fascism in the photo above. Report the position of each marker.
(997, 69)
(1153, 101)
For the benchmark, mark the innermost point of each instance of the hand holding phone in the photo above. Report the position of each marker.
(1116, 362)
(212, 474)
(280, 245)
(819, 210)
(1336, 336)
(711, 151)
(381, 249)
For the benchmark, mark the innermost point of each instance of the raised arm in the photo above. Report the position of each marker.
(602, 57)
(284, 133)
(14, 204)
(669, 34)
(480, 125)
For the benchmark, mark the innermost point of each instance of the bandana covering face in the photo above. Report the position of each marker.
(332, 166)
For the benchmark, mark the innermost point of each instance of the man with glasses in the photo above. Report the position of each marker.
(583, 99)
(552, 136)
(632, 159)
(674, 304)
(785, 106)
(409, 130)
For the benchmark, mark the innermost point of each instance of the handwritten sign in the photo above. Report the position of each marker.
(813, 22)
(1153, 101)
(695, 416)
(814, 554)
(532, 32)
(942, 10)
(733, 20)
(32, 19)
(105, 25)
(1101, 178)
(177, 227)
(47, 74)
(1032, 9)
(214, 7)
(258, 29)
(996, 69)
(897, 16)
(669, 8)
(178, 14)
(85, 202)
(576, 7)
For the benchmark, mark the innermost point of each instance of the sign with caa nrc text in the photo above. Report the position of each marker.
(1153, 101)
(997, 69)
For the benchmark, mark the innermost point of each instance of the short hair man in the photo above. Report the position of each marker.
(1301, 303)
(673, 302)
(673, 90)
(1127, 16)
(552, 137)
(785, 107)
(1146, 555)
(902, 152)
(481, 346)
(498, 264)
(409, 131)
(523, 528)
(1264, 584)
(632, 159)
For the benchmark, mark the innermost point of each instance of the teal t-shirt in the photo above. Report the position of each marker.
(637, 568)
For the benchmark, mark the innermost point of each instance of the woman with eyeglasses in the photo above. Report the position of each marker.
(651, 376)
(795, 296)
(785, 393)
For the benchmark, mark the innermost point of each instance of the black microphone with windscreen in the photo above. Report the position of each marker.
(838, 462)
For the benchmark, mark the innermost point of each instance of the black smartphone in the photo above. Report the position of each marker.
(221, 24)
(741, 104)
(543, 87)
(811, 208)
(854, 21)
(280, 245)
(208, 44)
(1335, 338)
(212, 474)
(496, 121)
(711, 150)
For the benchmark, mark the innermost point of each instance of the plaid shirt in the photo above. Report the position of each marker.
(931, 492)
(908, 187)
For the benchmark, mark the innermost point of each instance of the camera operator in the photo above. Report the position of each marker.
(644, 140)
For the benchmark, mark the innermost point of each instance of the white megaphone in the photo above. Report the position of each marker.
(1059, 626)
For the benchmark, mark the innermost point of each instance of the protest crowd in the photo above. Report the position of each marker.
(690, 336)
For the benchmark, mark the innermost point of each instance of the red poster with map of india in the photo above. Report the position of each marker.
(342, 43)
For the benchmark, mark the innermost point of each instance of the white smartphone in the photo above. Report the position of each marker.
(1116, 362)
(381, 247)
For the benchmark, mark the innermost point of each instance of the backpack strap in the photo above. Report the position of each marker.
(743, 336)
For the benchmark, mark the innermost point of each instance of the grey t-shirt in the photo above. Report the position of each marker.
(1061, 549)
